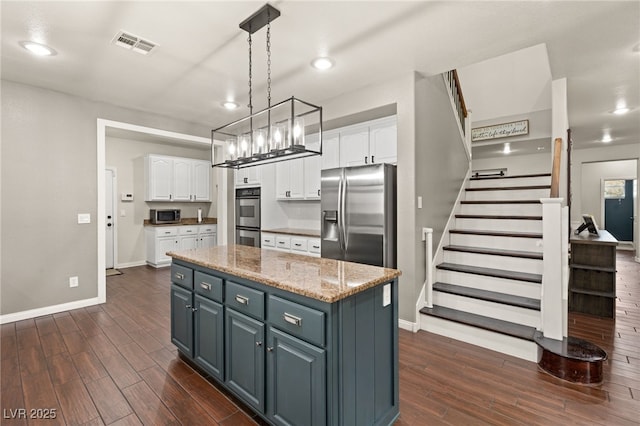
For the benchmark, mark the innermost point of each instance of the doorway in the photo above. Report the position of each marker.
(109, 204)
(619, 200)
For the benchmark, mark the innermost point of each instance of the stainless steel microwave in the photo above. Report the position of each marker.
(158, 217)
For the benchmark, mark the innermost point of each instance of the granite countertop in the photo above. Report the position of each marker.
(328, 280)
(186, 221)
(295, 231)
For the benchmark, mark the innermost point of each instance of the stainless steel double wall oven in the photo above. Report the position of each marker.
(248, 216)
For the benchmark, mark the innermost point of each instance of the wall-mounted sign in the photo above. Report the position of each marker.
(505, 130)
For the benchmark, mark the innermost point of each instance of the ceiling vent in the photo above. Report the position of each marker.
(133, 42)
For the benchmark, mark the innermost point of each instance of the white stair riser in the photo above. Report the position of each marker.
(506, 225)
(518, 194)
(502, 209)
(498, 311)
(519, 348)
(490, 241)
(508, 263)
(490, 183)
(499, 285)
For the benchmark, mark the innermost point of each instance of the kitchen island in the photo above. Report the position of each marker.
(300, 340)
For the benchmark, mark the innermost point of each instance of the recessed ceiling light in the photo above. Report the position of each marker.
(507, 148)
(322, 63)
(230, 105)
(606, 138)
(37, 48)
(540, 148)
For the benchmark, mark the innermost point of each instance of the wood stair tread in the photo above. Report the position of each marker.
(512, 177)
(495, 252)
(503, 327)
(489, 296)
(510, 188)
(497, 217)
(500, 202)
(496, 233)
(491, 272)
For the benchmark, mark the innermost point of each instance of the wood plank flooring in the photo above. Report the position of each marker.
(114, 364)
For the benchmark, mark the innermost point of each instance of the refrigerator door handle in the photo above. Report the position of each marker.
(340, 218)
(343, 213)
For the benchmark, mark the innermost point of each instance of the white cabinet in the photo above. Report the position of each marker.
(312, 167)
(249, 176)
(161, 239)
(176, 179)
(372, 142)
(290, 179)
(291, 243)
(330, 150)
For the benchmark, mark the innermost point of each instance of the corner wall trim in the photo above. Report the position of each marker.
(408, 325)
(48, 310)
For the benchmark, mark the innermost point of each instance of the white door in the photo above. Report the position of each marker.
(110, 224)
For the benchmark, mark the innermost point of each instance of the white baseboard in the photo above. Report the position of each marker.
(638, 259)
(48, 310)
(131, 264)
(408, 325)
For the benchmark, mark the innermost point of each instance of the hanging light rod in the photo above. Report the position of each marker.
(277, 133)
(265, 15)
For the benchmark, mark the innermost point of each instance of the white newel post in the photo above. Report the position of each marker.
(552, 306)
(427, 233)
(565, 271)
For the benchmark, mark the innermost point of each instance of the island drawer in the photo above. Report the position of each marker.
(208, 286)
(297, 319)
(182, 276)
(244, 299)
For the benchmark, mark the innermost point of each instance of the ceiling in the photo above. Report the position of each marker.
(202, 56)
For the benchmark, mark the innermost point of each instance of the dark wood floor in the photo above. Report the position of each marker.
(114, 364)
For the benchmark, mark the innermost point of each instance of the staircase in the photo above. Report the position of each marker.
(488, 287)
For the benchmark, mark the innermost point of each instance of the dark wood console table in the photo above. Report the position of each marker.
(592, 284)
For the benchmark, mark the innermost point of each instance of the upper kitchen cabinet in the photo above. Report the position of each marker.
(371, 142)
(290, 179)
(249, 176)
(312, 167)
(330, 150)
(176, 179)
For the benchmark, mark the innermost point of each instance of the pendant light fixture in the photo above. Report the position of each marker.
(276, 133)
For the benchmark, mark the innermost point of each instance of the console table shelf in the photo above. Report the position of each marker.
(592, 286)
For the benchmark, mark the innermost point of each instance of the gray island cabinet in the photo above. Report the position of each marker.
(300, 340)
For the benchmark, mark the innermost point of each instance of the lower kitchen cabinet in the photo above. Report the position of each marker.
(182, 319)
(244, 346)
(296, 380)
(293, 359)
(162, 239)
(208, 348)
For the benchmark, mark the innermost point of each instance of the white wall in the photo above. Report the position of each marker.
(515, 164)
(127, 157)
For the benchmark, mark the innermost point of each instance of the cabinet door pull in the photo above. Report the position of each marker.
(292, 319)
(372, 159)
(179, 276)
(194, 309)
(269, 349)
(205, 286)
(188, 307)
(246, 180)
(242, 299)
(318, 192)
(258, 344)
(170, 197)
(365, 159)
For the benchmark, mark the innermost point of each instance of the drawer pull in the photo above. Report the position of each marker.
(205, 286)
(297, 244)
(316, 247)
(280, 242)
(291, 319)
(267, 241)
(167, 232)
(242, 300)
(179, 276)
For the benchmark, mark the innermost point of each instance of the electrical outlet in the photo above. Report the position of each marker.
(73, 281)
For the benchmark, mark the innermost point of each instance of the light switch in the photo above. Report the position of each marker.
(123, 213)
(84, 217)
(419, 202)
(386, 295)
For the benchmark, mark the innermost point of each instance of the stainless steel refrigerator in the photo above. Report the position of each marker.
(359, 214)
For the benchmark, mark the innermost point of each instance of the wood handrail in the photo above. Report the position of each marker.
(555, 168)
(459, 89)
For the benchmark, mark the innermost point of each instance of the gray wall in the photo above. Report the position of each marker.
(48, 176)
(515, 164)
(127, 157)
